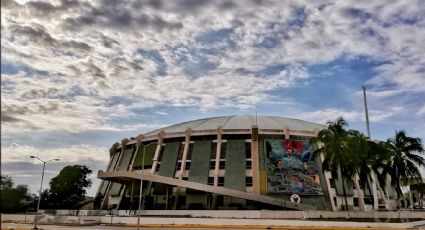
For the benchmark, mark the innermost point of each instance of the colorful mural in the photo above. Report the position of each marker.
(290, 168)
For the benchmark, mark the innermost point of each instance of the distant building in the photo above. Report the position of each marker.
(230, 162)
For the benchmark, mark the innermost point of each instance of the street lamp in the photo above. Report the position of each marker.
(141, 183)
(41, 187)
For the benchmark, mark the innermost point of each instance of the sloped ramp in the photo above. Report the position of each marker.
(126, 175)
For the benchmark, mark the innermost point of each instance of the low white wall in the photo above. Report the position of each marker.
(154, 216)
(16, 217)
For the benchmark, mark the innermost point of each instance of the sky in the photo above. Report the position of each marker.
(78, 76)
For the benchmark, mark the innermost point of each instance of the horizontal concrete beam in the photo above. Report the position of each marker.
(127, 175)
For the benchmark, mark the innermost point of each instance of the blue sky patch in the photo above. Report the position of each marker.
(155, 56)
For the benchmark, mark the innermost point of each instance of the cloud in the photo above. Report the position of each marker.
(74, 154)
(16, 163)
(421, 111)
(142, 54)
(37, 33)
(330, 114)
(120, 16)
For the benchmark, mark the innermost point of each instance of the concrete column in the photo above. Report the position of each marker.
(255, 160)
(183, 164)
(217, 155)
(286, 131)
(360, 194)
(139, 140)
(217, 164)
(326, 175)
(157, 151)
(114, 148)
(373, 182)
(185, 152)
(316, 132)
(155, 160)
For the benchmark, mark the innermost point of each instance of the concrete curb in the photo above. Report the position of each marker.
(258, 224)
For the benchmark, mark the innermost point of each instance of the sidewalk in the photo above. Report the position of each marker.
(209, 223)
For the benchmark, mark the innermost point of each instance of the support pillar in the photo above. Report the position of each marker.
(157, 151)
(183, 164)
(255, 160)
(155, 159)
(185, 152)
(217, 163)
(286, 131)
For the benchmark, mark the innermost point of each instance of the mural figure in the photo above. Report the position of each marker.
(290, 168)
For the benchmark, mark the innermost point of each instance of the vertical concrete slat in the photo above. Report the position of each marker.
(287, 133)
(112, 168)
(217, 155)
(255, 160)
(138, 144)
(185, 152)
(157, 151)
(183, 164)
(217, 164)
(155, 158)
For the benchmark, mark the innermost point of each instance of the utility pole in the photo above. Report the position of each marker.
(366, 111)
(41, 188)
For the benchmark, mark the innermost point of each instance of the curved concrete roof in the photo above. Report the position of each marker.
(241, 122)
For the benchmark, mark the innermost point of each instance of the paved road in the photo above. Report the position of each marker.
(51, 227)
(58, 227)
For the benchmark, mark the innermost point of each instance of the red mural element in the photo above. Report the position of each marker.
(293, 147)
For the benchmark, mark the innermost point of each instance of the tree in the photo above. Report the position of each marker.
(404, 159)
(67, 189)
(334, 142)
(6, 182)
(12, 197)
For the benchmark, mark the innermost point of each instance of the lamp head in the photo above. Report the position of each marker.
(32, 156)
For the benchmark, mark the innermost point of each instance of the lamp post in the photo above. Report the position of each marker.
(141, 183)
(41, 187)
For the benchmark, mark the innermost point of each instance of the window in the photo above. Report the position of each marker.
(213, 150)
(222, 165)
(187, 166)
(210, 180)
(223, 150)
(248, 164)
(181, 150)
(221, 181)
(332, 182)
(212, 164)
(248, 150)
(248, 181)
(161, 153)
(189, 152)
(356, 202)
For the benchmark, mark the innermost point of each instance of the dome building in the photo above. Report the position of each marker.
(229, 162)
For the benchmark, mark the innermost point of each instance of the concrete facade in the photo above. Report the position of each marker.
(234, 162)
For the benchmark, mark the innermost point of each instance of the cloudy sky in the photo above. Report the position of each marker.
(78, 76)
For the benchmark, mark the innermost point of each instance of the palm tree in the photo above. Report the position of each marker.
(404, 159)
(369, 157)
(334, 142)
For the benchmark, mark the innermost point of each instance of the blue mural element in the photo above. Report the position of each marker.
(290, 168)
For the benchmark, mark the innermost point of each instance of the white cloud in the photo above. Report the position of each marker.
(421, 111)
(330, 114)
(75, 154)
(82, 90)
